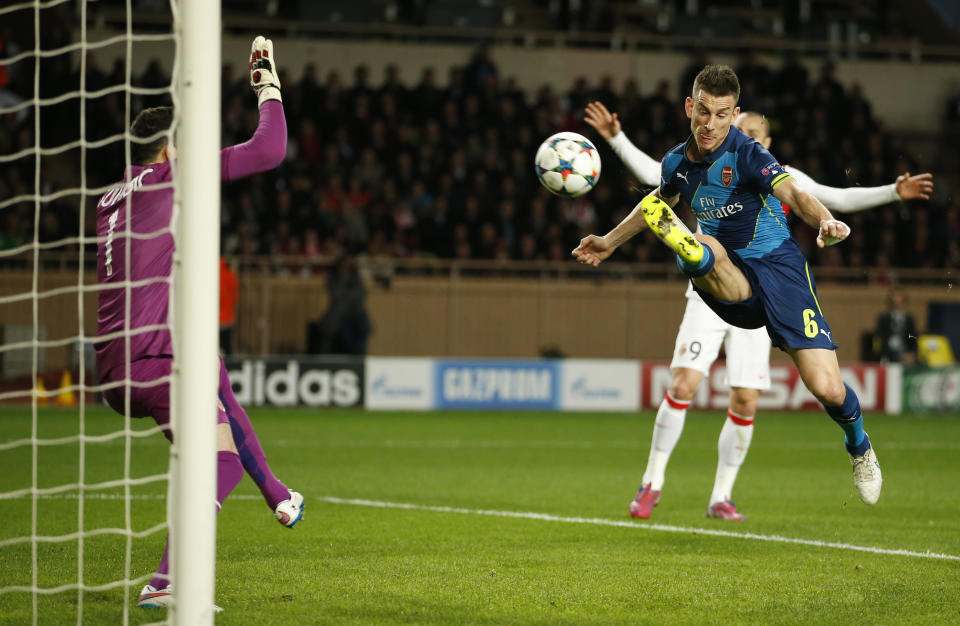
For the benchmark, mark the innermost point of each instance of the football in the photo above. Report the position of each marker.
(568, 164)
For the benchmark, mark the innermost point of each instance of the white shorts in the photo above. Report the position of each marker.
(698, 344)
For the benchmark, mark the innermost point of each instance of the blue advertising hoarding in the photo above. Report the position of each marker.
(496, 384)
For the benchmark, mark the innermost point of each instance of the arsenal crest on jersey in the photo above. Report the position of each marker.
(726, 176)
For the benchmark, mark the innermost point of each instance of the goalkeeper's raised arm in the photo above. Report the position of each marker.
(268, 146)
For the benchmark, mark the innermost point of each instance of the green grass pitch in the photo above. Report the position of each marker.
(355, 563)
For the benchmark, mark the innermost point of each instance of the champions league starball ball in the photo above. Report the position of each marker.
(568, 164)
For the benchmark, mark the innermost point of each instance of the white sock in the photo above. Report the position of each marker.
(666, 434)
(731, 451)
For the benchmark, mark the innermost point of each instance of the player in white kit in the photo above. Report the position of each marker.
(702, 331)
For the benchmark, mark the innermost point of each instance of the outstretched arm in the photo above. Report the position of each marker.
(268, 146)
(812, 212)
(640, 164)
(852, 199)
(593, 250)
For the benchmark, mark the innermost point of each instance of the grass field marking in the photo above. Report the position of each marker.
(627, 524)
(597, 521)
(562, 444)
(458, 443)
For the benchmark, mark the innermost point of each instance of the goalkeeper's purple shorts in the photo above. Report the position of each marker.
(154, 399)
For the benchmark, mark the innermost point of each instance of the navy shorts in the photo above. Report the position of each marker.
(784, 300)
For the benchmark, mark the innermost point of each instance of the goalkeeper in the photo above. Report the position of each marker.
(141, 265)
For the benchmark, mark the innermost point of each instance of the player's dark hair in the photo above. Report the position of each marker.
(148, 123)
(717, 80)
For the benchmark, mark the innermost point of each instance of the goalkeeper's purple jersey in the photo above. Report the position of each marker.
(149, 213)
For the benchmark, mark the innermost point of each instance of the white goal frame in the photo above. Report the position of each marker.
(196, 285)
(193, 317)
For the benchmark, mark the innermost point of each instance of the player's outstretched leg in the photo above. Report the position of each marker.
(821, 374)
(667, 429)
(672, 231)
(732, 447)
(159, 592)
(287, 505)
(867, 477)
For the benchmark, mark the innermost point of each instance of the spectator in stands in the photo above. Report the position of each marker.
(154, 78)
(345, 326)
(14, 230)
(462, 133)
(360, 89)
(393, 86)
(426, 97)
(896, 335)
(310, 89)
(791, 77)
(480, 68)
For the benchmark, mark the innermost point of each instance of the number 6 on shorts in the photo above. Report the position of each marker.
(810, 327)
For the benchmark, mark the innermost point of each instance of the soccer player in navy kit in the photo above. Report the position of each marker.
(702, 332)
(746, 266)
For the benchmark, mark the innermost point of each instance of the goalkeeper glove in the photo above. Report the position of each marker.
(263, 76)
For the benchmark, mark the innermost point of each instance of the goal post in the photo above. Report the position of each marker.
(196, 290)
(61, 538)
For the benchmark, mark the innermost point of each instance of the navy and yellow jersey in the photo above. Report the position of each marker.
(731, 193)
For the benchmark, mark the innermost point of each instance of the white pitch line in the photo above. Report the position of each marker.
(625, 524)
(546, 517)
(561, 444)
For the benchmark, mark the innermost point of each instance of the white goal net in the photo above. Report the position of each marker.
(83, 493)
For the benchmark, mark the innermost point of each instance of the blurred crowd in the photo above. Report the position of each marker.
(442, 166)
